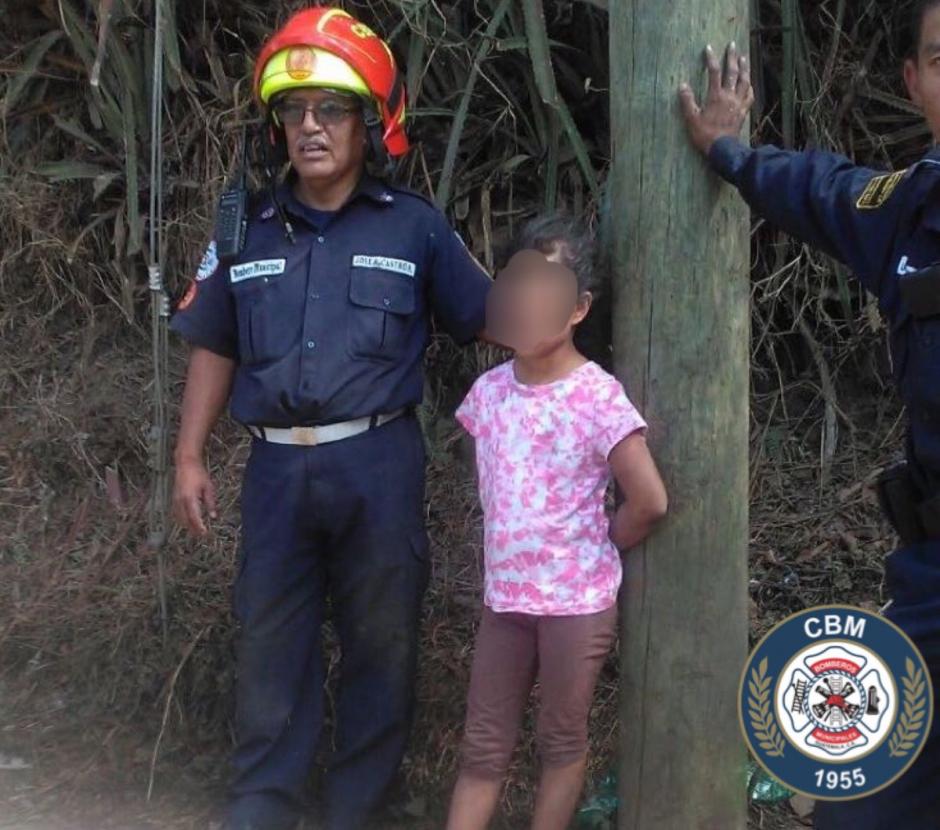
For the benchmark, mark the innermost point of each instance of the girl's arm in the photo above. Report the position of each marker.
(645, 494)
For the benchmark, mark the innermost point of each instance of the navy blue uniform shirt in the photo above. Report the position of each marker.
(882, 226)
(335, 325)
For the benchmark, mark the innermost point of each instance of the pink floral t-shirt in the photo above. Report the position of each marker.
(542, 462)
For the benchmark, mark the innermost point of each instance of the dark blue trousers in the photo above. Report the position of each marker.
(343, 524)
(913, 801)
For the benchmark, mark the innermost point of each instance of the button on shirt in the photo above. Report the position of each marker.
(882, 226)
(335, 325)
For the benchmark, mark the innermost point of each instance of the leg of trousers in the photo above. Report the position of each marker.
(342, 521)
(505, 661)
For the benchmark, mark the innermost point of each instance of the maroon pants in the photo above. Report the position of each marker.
(565, 655)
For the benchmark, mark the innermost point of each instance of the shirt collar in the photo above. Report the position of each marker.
(926, 194)
(374, 189)
(934, 154)
(369, 187)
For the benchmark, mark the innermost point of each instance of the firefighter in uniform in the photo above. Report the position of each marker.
(886, 228)
(315, 332)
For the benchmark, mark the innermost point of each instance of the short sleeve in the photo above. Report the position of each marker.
(458, 284)
(616, 417)
(206, 315)
(468, 413)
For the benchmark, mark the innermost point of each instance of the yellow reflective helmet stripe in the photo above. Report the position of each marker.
(303, 67)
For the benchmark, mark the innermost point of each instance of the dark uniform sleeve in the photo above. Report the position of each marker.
(206, 315)
(820, 198)
(458, 284)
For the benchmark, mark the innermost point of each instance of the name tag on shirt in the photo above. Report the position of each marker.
(384, 263)
(259, 268)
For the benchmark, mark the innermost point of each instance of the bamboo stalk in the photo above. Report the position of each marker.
(540, 55)
(445, 183)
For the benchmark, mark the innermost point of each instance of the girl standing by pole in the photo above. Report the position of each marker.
(550, 428)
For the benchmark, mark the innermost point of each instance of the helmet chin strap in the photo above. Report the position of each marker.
(274, 156)
(375, 133)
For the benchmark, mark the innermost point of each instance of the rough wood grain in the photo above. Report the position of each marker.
(681, 324)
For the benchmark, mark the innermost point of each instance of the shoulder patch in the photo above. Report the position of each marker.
(879, 190)
(209, 264)
(188, 297)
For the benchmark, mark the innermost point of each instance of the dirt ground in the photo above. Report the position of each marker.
(68, 773)
(104, 792)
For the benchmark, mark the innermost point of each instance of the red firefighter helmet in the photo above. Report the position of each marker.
(327, 47)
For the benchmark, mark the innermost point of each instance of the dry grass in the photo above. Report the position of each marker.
(87, 681)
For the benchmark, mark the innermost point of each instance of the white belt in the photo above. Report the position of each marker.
(312, 436)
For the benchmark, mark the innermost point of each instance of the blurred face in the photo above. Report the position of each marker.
(326, 137)
(922, 72)
(535, 304)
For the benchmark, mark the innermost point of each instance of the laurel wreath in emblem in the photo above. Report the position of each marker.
(762, 718)
(911, 722)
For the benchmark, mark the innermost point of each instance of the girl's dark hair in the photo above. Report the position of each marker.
(558, 232)
(916, 29)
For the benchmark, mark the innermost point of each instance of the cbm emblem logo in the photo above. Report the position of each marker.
(836, 702)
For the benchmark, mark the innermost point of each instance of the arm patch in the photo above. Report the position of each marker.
(879, 190)
(209, 264)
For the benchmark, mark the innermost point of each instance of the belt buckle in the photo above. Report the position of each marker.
(305, 436)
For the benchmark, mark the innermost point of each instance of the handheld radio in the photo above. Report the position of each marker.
(231, 220)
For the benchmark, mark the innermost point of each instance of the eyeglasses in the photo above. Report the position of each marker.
(326, 113)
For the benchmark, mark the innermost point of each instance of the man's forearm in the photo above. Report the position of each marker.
(208, 383)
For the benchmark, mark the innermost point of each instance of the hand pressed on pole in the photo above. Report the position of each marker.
(727, 103)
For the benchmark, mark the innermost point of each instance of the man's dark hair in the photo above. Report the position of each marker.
(916, 29)
(558, 232)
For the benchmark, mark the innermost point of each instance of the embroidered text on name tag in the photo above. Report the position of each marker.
(384, 263)
(260, 268)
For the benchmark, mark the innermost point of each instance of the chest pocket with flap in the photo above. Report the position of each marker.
(270, 321)
(379, 320)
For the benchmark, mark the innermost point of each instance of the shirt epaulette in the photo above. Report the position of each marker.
(407, 191)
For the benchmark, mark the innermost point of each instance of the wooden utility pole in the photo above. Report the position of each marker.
(680, 332)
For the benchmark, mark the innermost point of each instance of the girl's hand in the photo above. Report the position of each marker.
(646, 501)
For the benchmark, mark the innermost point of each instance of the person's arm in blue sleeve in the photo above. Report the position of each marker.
(812, 195)
(817, 197)
(206, 319)
(458, 284)
(205, 316)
